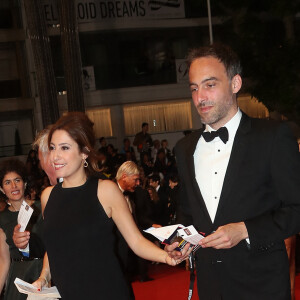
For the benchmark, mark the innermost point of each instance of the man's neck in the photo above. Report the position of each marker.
(120, 186)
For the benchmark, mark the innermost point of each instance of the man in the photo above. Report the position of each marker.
(143, 141)
(103, 144)
(41, 145)
(161, 208)
(128, 180)
(241, 188)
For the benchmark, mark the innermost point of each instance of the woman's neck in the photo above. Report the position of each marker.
(15, 205)
(74, 181)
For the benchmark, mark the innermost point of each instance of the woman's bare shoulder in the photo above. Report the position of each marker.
(45, 196)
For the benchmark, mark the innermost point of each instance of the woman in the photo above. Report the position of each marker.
(78, 218)
(14, 263)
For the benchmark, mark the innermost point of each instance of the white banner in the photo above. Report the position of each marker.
(90, 11)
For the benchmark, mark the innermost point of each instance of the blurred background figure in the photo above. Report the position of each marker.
(128, 150)
(40, 145)
(156, 147)
(32, 164)
(143, 141)
(25, 264)
(146, 163)
(103, 144)
(173, 198)
(161, 205)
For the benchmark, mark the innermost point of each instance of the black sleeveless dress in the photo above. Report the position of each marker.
(80, 245)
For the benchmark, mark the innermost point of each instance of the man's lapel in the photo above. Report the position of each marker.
(191, 172)
(237, 153)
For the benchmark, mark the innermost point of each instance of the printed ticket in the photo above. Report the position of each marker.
(190, 234)
(24, 215)
(29, 289)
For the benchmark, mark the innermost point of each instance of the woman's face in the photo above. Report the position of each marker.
(65, 155)
(13, 186)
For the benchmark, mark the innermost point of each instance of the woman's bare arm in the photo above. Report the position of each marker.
(116, 207)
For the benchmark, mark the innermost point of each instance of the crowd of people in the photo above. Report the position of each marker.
(239, 186)
(150, 205)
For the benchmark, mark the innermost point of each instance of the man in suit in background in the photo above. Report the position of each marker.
(128, 180)
(240, 185)
(161, 208)
(143, 141)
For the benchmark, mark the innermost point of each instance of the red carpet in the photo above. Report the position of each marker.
(172, 283)
(168, 283)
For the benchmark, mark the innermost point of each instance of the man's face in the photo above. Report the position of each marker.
(164, 144)
(213, 92)
(145, 128)
(153, 183)
(130, 182)
(47, 166)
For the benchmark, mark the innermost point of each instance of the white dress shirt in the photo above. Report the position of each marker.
(211, 161)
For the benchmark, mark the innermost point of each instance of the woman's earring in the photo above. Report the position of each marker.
(85, 163)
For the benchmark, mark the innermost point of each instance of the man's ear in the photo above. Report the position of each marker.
(236, 83)
(2, 190)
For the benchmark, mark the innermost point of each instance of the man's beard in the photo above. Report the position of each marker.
(218, 112)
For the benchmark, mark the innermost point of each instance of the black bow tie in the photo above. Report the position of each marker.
(221, 132)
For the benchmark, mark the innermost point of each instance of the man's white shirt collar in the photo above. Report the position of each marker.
(232, 126)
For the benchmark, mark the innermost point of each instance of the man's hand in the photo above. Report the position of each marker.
(21, 239)
(226, 236)
(178, 256)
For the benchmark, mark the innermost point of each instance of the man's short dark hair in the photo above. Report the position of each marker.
(101, 139)
(174, 178)
(221, 52)
(155, 178)
(144, 124)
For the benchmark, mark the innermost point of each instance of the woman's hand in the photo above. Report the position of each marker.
(178, 256)
(40, 283)
(175, 257)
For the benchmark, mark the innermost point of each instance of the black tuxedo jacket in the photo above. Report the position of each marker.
(261, 188)
(143, 208)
